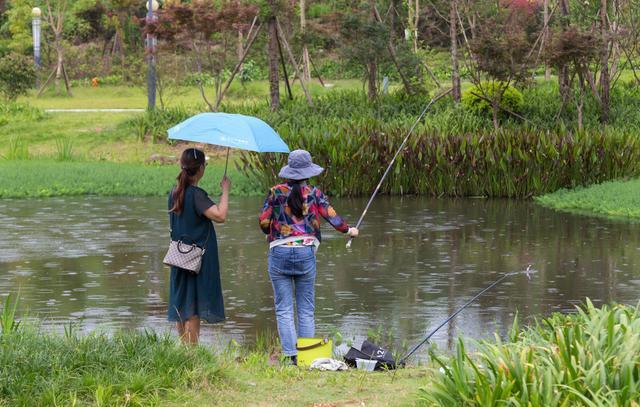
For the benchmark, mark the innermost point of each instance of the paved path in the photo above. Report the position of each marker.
(93, 110)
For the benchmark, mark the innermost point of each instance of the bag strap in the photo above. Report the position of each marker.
(321, 342)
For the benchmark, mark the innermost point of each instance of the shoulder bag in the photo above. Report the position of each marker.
(187, 256)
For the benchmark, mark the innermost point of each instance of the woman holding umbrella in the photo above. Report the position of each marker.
(291, 219)
(193, 297)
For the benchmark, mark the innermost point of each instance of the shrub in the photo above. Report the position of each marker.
(474, 98)
(590, 358)
(17, 75)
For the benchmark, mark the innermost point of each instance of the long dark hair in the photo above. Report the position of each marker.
(190, 162)
(295, 200)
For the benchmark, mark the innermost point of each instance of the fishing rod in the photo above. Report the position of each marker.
(528, 272)
(375, 192)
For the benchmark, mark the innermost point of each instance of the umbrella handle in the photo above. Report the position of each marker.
(226, 164)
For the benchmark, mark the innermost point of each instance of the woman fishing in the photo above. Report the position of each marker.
(193, 297)
(291, 219)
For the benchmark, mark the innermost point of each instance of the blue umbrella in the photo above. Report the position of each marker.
(231, 131)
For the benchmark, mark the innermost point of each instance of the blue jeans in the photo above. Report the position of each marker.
(293, 268)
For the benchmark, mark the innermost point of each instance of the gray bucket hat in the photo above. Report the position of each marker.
(300, 166)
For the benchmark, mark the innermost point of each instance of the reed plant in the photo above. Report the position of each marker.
(485, 163)
(590, 358)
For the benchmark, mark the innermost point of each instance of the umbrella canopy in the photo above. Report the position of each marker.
(229, 130)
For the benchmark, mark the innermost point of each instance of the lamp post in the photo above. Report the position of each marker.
(152, 7)
(36, 13)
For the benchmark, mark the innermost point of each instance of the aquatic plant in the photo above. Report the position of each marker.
(589, 358)
(616, 198)
(41, 178)
(8, 321)
(484, 163)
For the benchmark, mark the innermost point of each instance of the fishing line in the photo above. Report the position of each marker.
(375, 192)
(528, 272)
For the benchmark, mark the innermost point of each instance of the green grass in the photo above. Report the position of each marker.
(125, 369)
(44, 178)
(131, 97)
(591, 358)
(619, 199)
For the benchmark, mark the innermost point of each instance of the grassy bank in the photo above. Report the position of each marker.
(618, 199)
(591, 358)
(44, 178)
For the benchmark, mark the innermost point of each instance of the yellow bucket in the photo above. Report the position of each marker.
(310, 349)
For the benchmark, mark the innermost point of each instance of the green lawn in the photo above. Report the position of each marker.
(131, 97)
(618, 199)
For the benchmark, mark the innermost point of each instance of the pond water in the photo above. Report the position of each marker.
(97, 262)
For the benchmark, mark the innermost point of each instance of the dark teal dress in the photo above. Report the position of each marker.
(195, 294)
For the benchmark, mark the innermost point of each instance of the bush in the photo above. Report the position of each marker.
(510, 99)
(17, 75)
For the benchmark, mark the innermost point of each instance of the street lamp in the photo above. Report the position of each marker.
(36, 13)
(152, 7)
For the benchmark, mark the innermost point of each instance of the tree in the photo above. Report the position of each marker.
(206, 35)
(502, 50)
(56, 17)
(17, 75)
(18, 25)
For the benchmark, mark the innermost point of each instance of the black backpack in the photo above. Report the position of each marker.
(371, 351)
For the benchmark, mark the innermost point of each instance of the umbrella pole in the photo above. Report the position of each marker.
(226, 164)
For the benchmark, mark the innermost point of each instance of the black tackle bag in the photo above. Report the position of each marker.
(371, 351)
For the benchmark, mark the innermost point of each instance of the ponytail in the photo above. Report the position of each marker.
(295, 201)
(190, 162)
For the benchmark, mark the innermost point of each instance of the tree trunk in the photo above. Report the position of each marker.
(306, 73)
(60, 60)
(372, 67)
(605, 80)
(415, 27)
(272, 53)
(547, 68)
(240, 48)
(455, 73)
(563, 72)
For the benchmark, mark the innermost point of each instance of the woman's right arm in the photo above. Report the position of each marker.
(218, 212)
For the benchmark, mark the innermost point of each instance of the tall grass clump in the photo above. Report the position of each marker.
(64, 149)
(126, 369)
(591, 358)
(18, 149)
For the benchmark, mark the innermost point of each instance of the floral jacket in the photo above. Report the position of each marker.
(276, 219)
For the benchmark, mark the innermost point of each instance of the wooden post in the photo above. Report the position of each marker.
(284, 70)
(292, 60)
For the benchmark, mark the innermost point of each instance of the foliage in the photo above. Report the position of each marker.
(590, 358)
(153, 125)
(19, 25)
(42, 178)
(133, 369)
(616, 198)
(479, 98)
(17, 76)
